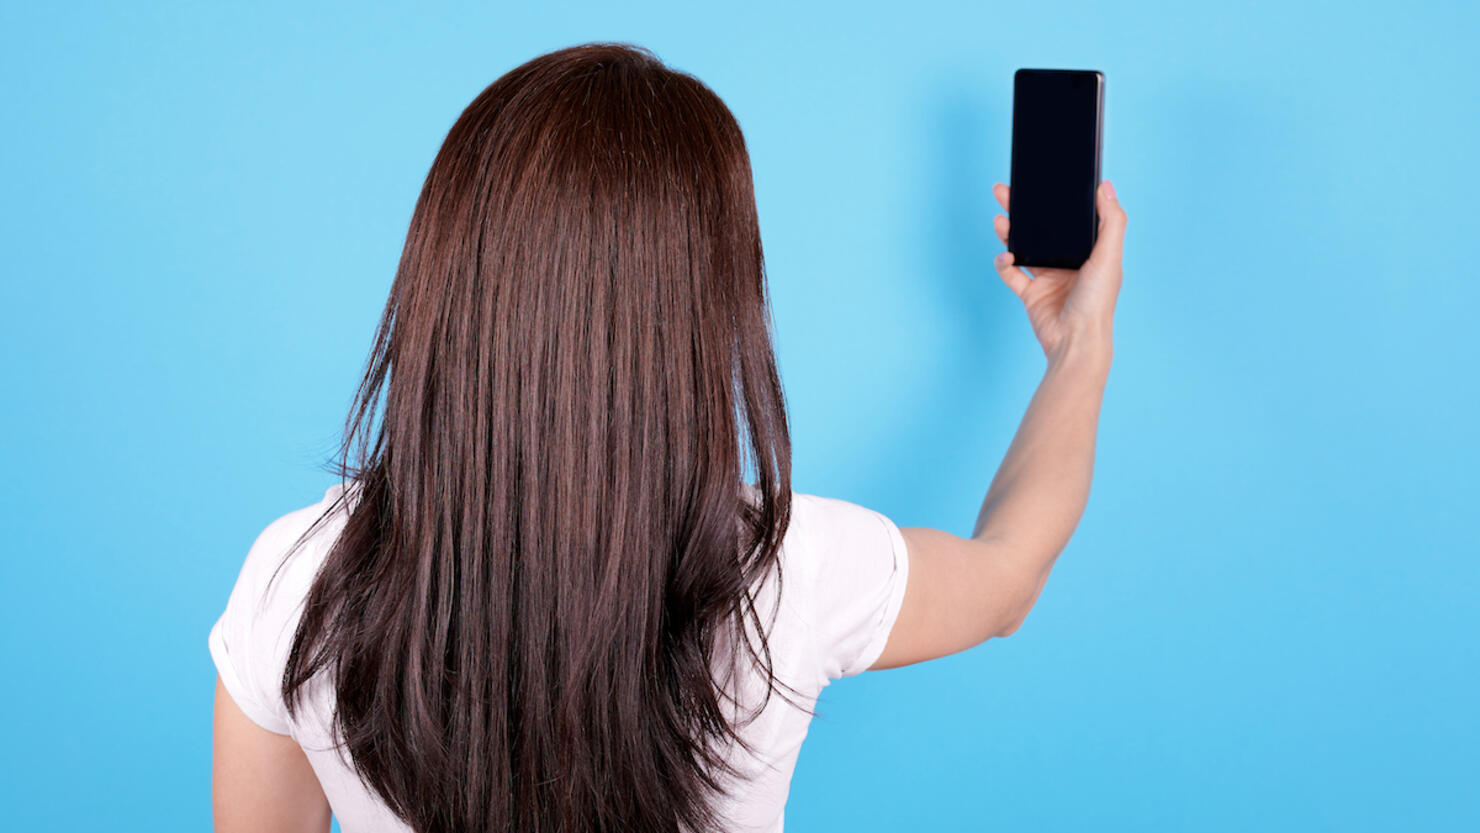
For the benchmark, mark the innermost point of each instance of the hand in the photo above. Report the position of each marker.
(1069, 305)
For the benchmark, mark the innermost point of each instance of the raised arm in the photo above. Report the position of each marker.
(963, 591)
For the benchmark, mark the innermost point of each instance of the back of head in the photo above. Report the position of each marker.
(551, 523)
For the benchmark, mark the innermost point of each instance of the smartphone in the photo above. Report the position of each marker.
(1056, 128)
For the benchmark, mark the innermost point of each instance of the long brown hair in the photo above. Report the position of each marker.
(554, 520)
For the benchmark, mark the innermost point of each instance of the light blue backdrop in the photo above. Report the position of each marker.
(1268, 619)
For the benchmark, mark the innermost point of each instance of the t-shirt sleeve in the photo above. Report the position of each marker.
(244, 642)
(856, 571)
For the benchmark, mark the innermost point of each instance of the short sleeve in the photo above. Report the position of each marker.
(246, 640)
(856, 569)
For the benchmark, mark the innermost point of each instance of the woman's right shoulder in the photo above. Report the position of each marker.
(844, 568)
(820, 524)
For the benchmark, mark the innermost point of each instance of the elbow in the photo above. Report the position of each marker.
(1013, 575)
(1016, 612)
(1020, 594)
(1010, 627)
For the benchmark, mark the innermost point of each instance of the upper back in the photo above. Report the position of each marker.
(827, 610)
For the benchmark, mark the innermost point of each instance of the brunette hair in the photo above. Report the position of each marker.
(553, 527)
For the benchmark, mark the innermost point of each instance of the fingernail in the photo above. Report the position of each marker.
(1109, 190)
(1001, 258)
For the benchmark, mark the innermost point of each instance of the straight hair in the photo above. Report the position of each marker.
(552, 530)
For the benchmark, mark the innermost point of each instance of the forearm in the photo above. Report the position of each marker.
(1039, 492)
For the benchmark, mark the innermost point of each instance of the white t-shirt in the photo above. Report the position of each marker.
(844, 569)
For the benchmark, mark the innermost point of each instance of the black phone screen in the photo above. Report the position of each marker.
(1056, 116)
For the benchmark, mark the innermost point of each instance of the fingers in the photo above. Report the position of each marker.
(1001, 192)
(1111, 237)
(1016, 279)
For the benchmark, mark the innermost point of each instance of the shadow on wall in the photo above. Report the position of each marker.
(971, 328)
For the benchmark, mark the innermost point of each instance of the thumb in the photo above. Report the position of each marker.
(1111, 234)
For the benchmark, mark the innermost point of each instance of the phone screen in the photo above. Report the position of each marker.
(1056, 115)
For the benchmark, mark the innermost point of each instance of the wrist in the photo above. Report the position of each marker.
(1088, 350)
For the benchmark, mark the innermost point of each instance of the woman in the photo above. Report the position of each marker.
(565, 585)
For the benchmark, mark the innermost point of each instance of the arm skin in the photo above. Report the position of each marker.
(963, 591)
(260, 780)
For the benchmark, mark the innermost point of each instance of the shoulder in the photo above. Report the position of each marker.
(820, 525)
(821, 529)
(851, 568)
(285, 555)
(292, 525)
(252, 636)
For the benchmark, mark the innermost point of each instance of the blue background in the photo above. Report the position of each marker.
(1268, 618)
